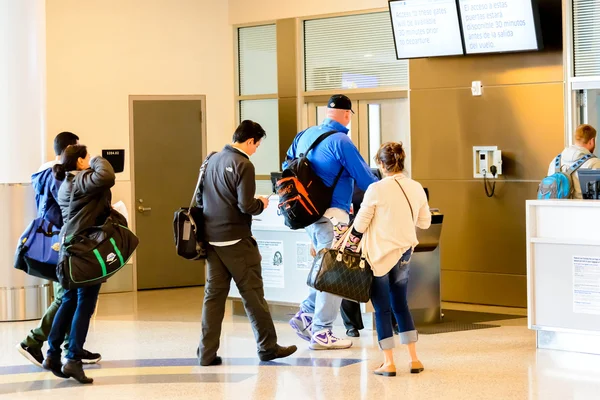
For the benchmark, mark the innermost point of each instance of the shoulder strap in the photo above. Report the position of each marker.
(316, 143)
(412, 214)
(557, 165)
(579, 163)
(199, 184)
(319, 140)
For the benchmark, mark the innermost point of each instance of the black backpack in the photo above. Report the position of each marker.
(303, 197)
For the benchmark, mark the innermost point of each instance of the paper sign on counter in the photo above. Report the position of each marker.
(586, 285)
(272, 263)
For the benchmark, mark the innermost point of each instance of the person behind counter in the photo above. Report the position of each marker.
(585, 145)
(386, 222)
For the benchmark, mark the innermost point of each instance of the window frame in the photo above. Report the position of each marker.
(238, 97)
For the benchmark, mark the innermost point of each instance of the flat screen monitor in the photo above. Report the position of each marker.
(426, 28)
(500, 26)
(589, 181)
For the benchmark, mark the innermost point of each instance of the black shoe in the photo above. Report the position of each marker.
(90, 358)
(396, 330)
(217, 361)
(74, 369)
(54, 365)
(352, 332)
(280, 352)
(35, 356)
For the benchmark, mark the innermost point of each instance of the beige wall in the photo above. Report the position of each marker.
(521, 111)
(102, 51)
(245, 11)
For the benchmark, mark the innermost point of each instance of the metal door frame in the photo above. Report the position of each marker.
(132, 99)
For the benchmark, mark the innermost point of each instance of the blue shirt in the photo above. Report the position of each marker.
(330, 156)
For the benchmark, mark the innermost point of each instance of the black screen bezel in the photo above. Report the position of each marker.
(430, 56)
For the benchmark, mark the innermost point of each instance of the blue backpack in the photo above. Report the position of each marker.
(560, 185)
(38, 248)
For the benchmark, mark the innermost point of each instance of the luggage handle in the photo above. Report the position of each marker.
(47, 233)
(344, 240)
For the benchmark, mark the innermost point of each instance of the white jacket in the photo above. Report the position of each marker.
(569, 156)
(386, 221)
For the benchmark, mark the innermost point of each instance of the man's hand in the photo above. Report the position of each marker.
(265, 201)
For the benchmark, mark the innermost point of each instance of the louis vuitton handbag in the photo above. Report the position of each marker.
(342, 272)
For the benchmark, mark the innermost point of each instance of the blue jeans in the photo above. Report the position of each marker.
(325, 306)
(76, 311)
(390, 292)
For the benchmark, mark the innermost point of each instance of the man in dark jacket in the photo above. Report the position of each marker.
(46, 186)
(229, 204)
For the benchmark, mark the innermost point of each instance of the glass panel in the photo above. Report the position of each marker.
(374, 132)
(352, 52)
(590, 111)
(258, 60)
(389, 122)
(266, 113)
(586, 37)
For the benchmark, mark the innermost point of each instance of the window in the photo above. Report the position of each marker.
(257, 60)
(352, 52)
(265, 112)
(257, 96)
(586, 30)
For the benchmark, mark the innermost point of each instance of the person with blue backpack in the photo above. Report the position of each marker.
(562, 181)
(46, 188)
(337, 162)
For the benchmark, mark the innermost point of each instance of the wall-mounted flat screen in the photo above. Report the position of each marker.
(426, 28)
(500, 26)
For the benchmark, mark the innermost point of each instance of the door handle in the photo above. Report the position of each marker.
(144, 209)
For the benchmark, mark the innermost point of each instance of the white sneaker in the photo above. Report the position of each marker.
(325, 340)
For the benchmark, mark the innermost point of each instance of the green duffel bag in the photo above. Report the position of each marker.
(92, 255)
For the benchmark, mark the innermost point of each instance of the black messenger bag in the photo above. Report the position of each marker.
(189, 223)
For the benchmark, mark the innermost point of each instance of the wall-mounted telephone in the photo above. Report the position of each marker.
(487, 162)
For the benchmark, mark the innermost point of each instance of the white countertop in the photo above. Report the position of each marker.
(564, 203)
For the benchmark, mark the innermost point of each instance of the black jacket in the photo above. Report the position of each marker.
(91, 198)
(228, 196)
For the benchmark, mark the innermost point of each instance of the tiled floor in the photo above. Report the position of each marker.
(148, 341)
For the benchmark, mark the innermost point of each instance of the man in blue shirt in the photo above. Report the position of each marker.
(317, 313)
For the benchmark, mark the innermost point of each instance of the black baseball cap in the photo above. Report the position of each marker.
(340, 102)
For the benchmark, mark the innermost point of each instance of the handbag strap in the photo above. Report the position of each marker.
(200, 183)
(340, 245)
(412, 214)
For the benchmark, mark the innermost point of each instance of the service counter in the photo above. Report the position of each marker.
(563, 274)
(287, 262)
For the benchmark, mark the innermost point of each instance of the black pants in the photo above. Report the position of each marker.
(242, 263)
(353, 317)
